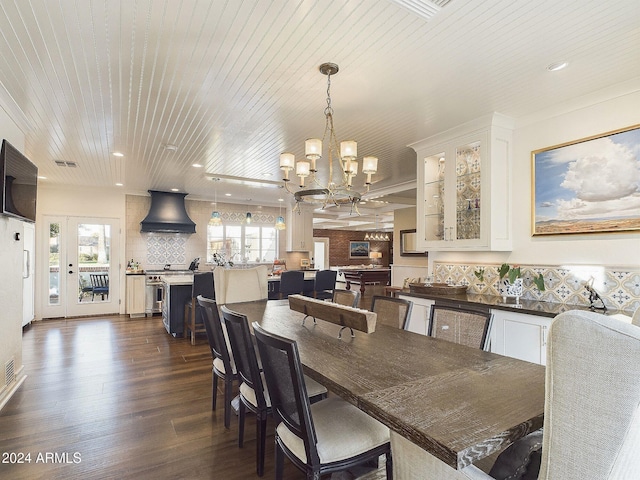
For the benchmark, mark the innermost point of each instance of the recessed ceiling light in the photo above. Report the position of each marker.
(197, 165)
(227, 194)
(42, 177)
(175, 189)
(267, 174)
(119, 184)
(281, 199)
(118, 154)
(554, 67)
(170, 148)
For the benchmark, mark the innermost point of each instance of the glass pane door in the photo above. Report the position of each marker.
(82, 270)
(434, 191)
(468, 192)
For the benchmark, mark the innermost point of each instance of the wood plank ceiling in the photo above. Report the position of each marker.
(233, 83)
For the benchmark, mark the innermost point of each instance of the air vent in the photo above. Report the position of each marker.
(62, 163)
(9, 372)
(423, 8)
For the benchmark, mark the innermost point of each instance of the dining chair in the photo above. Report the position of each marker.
(391, 311)
(328, 436)
(635, 319)
(254, 396)
(591, 426)
(324, 284)
(350, 298)
(99, 285)
(223, 364)
(193, 323)
(291, 282)
(460, 325)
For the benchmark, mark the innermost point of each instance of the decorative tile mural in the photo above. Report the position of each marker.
(163, 249)
(619, 288)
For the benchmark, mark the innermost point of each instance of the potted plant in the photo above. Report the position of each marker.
(512, 278)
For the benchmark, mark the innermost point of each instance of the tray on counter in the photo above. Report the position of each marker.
(438, 288)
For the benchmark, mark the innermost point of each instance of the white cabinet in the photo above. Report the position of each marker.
(300, 229)
(520, 335)
(136, 295)
(464, 187)
(420, 311)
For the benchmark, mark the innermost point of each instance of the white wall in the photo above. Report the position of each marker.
(582, 118)
(11, 277)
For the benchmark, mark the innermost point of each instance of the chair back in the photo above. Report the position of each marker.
(244, 353)
(325, 280)
(287, 390)
(463, 326)
(350, 298)
(291, 282)
(234, 285)
(215, 333)
(391, 311)
(203, 285)
(99, 281)
(592, 406)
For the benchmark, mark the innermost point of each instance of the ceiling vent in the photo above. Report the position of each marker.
(423, 8)
(62, 163)
(167, 214)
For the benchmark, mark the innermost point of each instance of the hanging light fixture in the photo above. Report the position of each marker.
(280, 225)
(338, 190)
(377, 236)
(216, 218)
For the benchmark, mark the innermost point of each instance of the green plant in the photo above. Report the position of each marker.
(515, 272)
(479, 273)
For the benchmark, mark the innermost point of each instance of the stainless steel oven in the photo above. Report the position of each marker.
(153, 294)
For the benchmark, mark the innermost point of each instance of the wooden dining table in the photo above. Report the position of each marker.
(447, 405)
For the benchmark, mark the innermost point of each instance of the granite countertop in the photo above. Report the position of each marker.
(308, 275)
(177, 279)
(543, 309)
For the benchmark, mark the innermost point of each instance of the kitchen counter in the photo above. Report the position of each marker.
(544, 309)
(177, 279)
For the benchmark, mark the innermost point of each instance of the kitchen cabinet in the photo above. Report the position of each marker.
(173, 299)
(136, 295)
(300, 229)
(420, 312)
(520, 335)
(464, 187)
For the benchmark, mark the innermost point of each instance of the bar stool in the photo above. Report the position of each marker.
(202, 285)
(291, 282)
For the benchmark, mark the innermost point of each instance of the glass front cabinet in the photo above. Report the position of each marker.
(464, 187)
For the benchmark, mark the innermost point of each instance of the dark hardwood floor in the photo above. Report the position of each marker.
(113, 397)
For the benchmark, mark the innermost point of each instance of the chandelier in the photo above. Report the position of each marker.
(338, 188)
(377, 236)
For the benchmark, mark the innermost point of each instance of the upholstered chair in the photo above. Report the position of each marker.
(591, 424)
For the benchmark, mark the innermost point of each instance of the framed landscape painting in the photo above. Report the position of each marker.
(588, 186)
(358, 249)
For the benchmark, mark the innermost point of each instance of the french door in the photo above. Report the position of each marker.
(82, 273)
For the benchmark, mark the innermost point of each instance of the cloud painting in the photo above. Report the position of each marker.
(589, 186)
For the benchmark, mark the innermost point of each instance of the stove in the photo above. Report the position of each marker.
(154, 294)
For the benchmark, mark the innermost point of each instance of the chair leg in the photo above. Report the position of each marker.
(241, 417)
(214, 389)
(261, 438)
(389, 466)
(279, 462)
(227, 402)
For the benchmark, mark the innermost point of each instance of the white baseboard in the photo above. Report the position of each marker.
(13, 388)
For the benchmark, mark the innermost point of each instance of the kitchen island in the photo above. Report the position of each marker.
(447, 405)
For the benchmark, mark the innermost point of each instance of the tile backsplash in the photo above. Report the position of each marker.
(618, 287)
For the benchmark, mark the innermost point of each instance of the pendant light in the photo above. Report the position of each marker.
(216, 218)
(280, 225)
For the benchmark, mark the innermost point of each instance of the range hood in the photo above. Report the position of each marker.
(167, 214)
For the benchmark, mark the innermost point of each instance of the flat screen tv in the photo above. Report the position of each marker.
(19, 184)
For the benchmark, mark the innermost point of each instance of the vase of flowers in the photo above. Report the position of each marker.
(512, 284)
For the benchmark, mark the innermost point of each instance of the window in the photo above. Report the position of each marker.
(242, 243)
